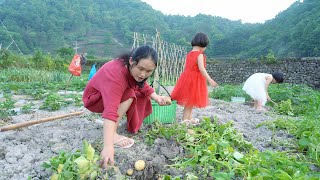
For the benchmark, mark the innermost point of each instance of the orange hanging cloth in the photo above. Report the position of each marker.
(75, 65)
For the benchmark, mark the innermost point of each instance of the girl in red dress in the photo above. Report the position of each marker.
(120, 87)
(191, 88)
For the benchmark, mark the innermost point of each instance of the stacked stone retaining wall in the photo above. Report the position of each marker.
(296, 71)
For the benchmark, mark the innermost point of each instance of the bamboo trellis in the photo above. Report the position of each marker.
(171, 57)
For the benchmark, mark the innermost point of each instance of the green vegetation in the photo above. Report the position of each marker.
(6, 107)
(226, 91)
(40, 76)
(77, 165)
(212, 149)
(219, 151)
(105, 27)
(296, 100)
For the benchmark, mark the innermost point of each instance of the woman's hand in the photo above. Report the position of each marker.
(161, 100)
(107, 155)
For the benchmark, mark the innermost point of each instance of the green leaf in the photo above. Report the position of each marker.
(82, 163)
(90, 152)
(46, 165)
(191, 139)
(191, 176)
(93, 175)
(307, 134)
(60, 167)
(222, 175)
(213, 148)
(264, 172)
(304, 142)
(238, 156)
(166, 177)
(203, 159)
(67, 175)
(54, 177)
(280, 174)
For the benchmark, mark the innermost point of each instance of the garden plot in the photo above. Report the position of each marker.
(23, 151)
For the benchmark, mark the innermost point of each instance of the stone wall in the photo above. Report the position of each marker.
(295, 71)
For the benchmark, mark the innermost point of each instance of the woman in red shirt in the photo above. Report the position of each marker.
(120, 87)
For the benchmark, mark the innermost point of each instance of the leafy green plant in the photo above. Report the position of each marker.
(270, 58)
(284, 107)
(225, 92)
(77, 165)
(53, 102)
(304, 99)
(34, 75)
(6, 107)
(27, 108)
(306, 131)
(10, 59)
(276, 165)
(214, 150)
(158, 130)
(78, 100)
(210, 146)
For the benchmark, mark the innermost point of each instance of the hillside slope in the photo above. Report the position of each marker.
(105, 27)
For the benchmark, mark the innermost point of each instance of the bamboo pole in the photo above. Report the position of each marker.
(29, 123)
(171, 57)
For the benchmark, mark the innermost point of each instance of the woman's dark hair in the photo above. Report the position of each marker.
(142, 52)
(278, 76)
(200, 39)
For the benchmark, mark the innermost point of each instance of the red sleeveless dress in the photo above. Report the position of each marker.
(191, 88)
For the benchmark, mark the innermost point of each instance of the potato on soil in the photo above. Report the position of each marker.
(139, 165)
(129, 172)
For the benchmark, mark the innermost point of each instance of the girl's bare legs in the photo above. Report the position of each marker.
(123, 108)
(255, 104)
(187, 113)
(259, 106)
(187, 116)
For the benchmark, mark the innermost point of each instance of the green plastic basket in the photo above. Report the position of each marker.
(238, 99)
(163, 114)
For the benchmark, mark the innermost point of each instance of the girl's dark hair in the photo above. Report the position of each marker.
(278, 76)
(142, 52)
(200, 39)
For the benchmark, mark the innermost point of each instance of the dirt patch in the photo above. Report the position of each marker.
(23, 151)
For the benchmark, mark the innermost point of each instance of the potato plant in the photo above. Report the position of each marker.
(6, 107)
(218, 151)
(284, 107)
(77, 165)
(53, 102)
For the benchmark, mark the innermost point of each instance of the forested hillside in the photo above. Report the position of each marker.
(105, 27)
(293, 33)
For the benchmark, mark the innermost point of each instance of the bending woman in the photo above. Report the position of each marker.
(119, 87)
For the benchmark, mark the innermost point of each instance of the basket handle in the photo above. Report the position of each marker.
(161, 86)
